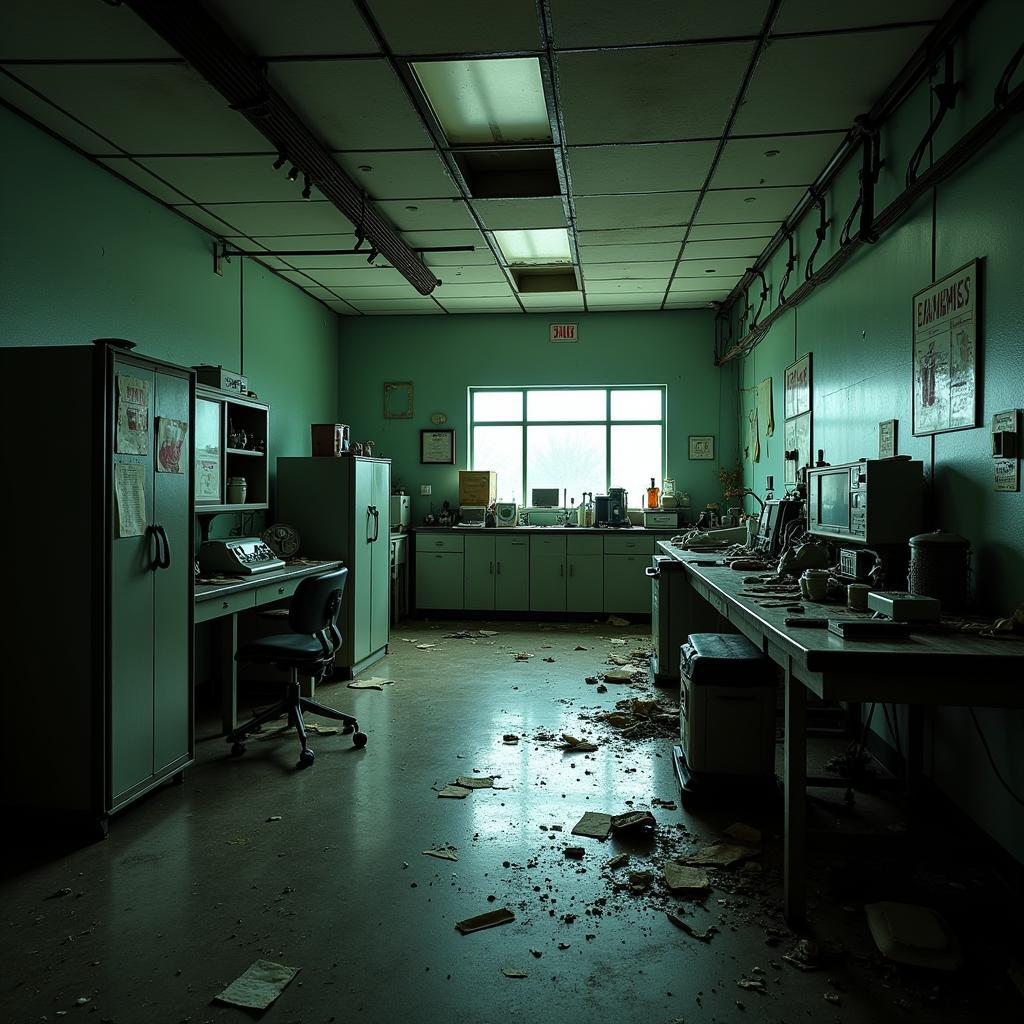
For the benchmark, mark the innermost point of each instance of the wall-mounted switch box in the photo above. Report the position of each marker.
(1006, 449)
(424, 490)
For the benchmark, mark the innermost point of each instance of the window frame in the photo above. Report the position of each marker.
(524, 423)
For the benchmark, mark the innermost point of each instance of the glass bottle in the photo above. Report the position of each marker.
(653, 494)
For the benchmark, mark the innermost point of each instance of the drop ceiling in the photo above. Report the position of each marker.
(672, 175)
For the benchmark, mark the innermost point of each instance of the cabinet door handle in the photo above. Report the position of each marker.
(163, 548)
(498, 564)
(490, 568)
(561, 568)
(280, 590)
(572, 568)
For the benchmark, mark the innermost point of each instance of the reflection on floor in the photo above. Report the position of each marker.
(323, 870)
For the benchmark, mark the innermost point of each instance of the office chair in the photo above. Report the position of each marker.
(308, 651)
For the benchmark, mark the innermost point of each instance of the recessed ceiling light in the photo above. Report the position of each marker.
(537, 245)
(772, 152)
(498, 100)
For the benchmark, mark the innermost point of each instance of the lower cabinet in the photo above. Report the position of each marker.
(479, 572)
(439, 579)
(584, 583)
(547, 573)
(511, 573)
(627, 587)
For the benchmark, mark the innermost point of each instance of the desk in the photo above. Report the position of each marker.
(926, 669)
(225, 600)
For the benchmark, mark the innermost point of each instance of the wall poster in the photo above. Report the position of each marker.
(170, 441)
(945, 350)
(132, 416)
(701, 446)
(798, 445)
(796, 392)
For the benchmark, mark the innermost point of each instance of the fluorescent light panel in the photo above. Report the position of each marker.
(534, 246)
(486, 101)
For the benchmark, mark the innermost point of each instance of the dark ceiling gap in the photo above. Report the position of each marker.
(762, 43)
(404, 73)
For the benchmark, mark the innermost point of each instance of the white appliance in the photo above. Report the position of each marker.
(399, 513)
(506, 513)
(661, 519)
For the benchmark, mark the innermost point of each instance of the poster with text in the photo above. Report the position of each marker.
(946, 353)
(797, 439)
(132, 416)
(170, 443)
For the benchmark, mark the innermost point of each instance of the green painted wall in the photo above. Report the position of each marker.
(858, 329)
(444, 355)
(83, 256)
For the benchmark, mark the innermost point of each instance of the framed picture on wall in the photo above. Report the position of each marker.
(437, 447)
(797, 446)
(702, 446)
(945, 353)
(797, 387)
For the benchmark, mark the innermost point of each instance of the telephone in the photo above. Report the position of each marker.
(237, 556)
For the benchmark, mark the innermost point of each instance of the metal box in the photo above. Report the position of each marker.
(218, 377)
(478, 487)
(661, 519)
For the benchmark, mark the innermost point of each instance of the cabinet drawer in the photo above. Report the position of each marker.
(553, 545)
(439, 542)
(577, 545)
(630, 544)
(227, 604)
(279, 591)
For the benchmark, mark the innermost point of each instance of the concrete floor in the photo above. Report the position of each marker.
(194, 883)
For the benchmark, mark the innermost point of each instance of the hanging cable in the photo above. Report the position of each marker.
(790, 264)
(764, 295)
(1002, 93)
(868, 176)
(991, 760)
(820, 233)
(945, 93)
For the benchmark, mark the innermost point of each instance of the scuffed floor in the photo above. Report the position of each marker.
(196, 882)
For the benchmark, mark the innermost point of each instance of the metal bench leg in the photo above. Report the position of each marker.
(795, 789)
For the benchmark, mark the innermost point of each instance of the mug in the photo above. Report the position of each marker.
(817, 584)
(857, 596)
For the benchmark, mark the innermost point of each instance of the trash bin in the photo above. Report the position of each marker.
(726, 710)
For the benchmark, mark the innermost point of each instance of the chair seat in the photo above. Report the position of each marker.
(286, 647)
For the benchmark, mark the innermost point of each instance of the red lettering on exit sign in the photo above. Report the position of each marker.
(564, 332)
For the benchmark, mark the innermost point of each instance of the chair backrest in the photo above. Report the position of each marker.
(315, 606)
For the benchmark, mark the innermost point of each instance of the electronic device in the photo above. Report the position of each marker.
(506, 513)
(282, 539)
(237, 556)
(869, 629)
(856, 563)
(875, 501)
(472, 515)
(776, 517)
(618, 504)
(400, 505)
(903, 607)
(808, 622)
(544, 497)
(660, 519)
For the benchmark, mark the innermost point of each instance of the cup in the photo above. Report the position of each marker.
(857, 596)
(817, 584)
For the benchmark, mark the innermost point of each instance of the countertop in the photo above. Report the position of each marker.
(596, 530)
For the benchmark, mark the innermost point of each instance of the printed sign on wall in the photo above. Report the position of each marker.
(946, 353)
(564, 332)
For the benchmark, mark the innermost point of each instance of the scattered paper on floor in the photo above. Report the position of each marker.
(488, 920)
(370, 683)
(445, 852)
(487, 632)
(454, 792)
(474, 781)
(593, 825)
(514, 972)
(259, 986)
(721, 855)
(683, 878)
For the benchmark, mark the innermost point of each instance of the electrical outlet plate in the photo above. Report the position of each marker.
(424, 490)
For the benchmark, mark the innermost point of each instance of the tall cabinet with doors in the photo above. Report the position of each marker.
(340, 508)
(98, 439)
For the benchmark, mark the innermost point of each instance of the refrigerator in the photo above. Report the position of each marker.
(340, 507)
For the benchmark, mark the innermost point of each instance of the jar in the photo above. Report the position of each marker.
(814, 584)
(237, 488)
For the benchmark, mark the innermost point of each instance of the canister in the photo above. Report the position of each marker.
(237, 488)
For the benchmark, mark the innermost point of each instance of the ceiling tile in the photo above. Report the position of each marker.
(746, 248)
(410, 174)
(419, 304)
(632, 236)
(211, 221)
(698, 285)
(613, 23)
(747, 229)
(327, 93)
(696, 301)
(471, 274)
(150, 183)
(620, 287)
(554, 301)
(796, 160)
(724, 205)
(458, 26)
(439, 261)
(479, 303)
(366, 276)
(647, 300)
(69, 29)
(227, 179)
(596, 254)
(814, 16)
(377, 292)
(342, 308)
(648, 95)
(268, 28)
(424, 214)
(455, 289)
(615, 271)
(655, 209)
(711, 271)
(371, 309)
(823, 82)
(519, 214)
(280, 218)
(481, 254)
(146, 108)
(356, 261)
(667, 167)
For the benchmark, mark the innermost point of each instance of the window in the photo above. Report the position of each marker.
(576, 439)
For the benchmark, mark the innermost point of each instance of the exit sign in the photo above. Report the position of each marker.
(564, 332)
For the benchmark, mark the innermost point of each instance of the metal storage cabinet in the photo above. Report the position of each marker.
(105, 629)
(341, 508)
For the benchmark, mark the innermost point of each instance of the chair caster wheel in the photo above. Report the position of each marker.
(359, 739)
(306, 758)
(237, 749)
(347, 729)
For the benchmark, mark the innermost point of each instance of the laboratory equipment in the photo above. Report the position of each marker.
(653, 495)
(506, 513)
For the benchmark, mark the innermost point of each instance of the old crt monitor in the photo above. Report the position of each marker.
(776, 515)
(874, 501)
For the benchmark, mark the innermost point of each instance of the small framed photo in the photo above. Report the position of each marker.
(887, 439)
(702, 447)
(797, 389)
(437, 447)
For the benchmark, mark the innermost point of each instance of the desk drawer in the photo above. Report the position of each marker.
(629, 545)
(577, 545)
(279, 591)
(439, 542)
(226, 604)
